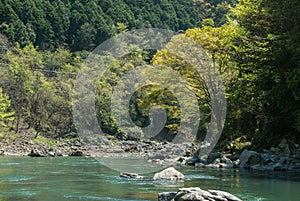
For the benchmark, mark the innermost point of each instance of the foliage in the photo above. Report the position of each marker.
(253, 43)
(40, 84)
(6, 115)
(44, 141)
(267, 60)
(80, 25)
(214, 11)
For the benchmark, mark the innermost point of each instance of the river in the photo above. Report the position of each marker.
(79, 178)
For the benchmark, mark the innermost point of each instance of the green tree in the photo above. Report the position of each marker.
(6, 114)
(267, 61)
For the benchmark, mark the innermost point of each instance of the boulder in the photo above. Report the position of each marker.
(250, 158)
(287, 147)
(77, 153)
(197, 194)
(213, 156)
(169, 174)
(36, 153)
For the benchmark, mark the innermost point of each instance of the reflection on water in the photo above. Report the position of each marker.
(76, 178)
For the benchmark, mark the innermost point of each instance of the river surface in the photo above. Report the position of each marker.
(79, 178)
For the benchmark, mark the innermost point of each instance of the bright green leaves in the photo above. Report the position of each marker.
(6, 114)
(266, 61)
(39, 85)
(214, 12)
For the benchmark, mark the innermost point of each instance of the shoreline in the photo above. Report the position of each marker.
(284, 157)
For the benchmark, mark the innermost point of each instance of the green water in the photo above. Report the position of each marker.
(78, 178)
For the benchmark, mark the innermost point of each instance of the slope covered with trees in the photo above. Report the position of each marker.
(214, 12)
(81, 25)
(255, 47)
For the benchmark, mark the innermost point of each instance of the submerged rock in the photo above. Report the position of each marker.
(131, 175)
(169, 174)
(197, 194)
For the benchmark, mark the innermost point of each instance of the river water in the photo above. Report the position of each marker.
(79, 178)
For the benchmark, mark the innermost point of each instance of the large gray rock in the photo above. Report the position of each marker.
(169, 174)
(250, 158)
(213, 156)
(197, 194)
(287, 147)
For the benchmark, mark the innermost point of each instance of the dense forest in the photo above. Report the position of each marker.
(79, 25)
(253, 43)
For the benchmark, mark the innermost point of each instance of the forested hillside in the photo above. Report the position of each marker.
(79, 25)
(214, 12)
(254, 44)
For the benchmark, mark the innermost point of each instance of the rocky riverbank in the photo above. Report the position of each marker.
(27, 148)
(284, 157)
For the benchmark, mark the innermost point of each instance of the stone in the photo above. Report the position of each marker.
(191, 196)
(197, 194)
(287, 147)
(2, 152)
(193, 160)
(233, 157)
(274, 150)
(250, 158)
(279, 167)
(169, 174)
(77, 153)
(131, 175)
(213, 156)
(36, 153)
(185, 194)
(225, 160)
(166, 196)
(267, 158)
(200, 165)
(182, 160)
(224, 194)
(213, 165)
(236, 163)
